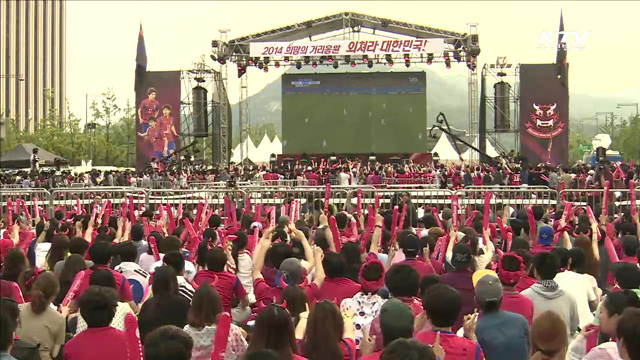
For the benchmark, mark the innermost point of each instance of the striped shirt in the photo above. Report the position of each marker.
(185, 289)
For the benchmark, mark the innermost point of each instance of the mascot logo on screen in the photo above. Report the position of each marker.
(545, 122)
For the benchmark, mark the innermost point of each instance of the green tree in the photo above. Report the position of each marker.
(104, 115)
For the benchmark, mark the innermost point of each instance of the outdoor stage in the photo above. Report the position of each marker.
(419, 158)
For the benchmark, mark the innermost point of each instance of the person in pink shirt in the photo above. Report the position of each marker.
(97, 307)
(336, 287)
(511, 269)
(410, 245)
(442, 304)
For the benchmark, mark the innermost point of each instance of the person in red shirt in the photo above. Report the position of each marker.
(336, 287)
(410, 245)
(328, 334)
(100, 253)
(168, 342)
(228, 285)
(157, 137)
(168, 128)
(511, 270)
(526, 281)
(442, 304)
(461, 279)
(148, 107)
(97, 307)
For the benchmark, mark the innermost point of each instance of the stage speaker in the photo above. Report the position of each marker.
(501, 108)
(200, 114)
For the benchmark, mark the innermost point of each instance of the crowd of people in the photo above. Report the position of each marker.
(504, 172)
(276, 283)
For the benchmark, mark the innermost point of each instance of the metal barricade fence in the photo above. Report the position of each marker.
(28, 195)
(472, 198)
(618, 198)
(190, 199)
(11, 186)
(68, 199)
(287, 182)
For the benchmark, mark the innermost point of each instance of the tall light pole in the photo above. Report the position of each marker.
(87, 125)
(628, 104)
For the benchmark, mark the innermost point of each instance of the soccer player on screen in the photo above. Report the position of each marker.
(155, 134)
(168, 127)
(149, 107)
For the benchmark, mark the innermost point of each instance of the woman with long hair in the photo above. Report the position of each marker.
(166, 307)
(295, 299)
(243, 263)
(58, 251)
(206, 305)
(577, 263)
(549, 337)
(13, 264)
(72, 265)
(274, 331)
(105, 278)
(592, 258)
(353, 260)
(39, 322)
(328, 336)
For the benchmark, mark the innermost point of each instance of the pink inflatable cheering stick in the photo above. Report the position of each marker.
(509, 238)
(359, 203)
(297, 210)
(253, 239)
(403, 214)
(147, 228)
(78, 207)
(180, 211)
(171, 222)
(454, 210)
(533, 231)
(487, 210)
(247, 205)
(272, 220)
(327, 195)
(227, 211)
(198, 215)
(592, 219)
(132, 213)
(27, 213)
(632, 197)
(472, 216)
(94, 212)
(333, 226)
(36, 209)
(73, 290)
(221, 338)
(258, 213)
(605, 201)
(154, 248)
(134, 347)
(435, 214)
(102, 209)
(376, 204)
(394, 226)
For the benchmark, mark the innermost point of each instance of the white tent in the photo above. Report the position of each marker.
(263, 151)
(445, 150)
(491, 151)
(260, 154)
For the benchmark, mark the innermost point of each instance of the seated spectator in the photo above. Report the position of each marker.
(407, 349)
(613, 306)
(7, 331)
(58, 252)
(166, 307)
(137, 237)
(243, 263)
(137, 277)
(175, 260)
(328, 334)
(203, 314)
(547, 295)
(168, 343)
(336, 287)
(227, 284)
(101, 253)
(170, 244)
(105, 279)
(367, 303)
(628, 333)
(39, 322)
(549, 337)
(511, 269)
(403, 282)
(147, 259)
(410, 245)
(72, 266)
(460, 279)
(443, 304)
(501, 334)
(20, 349)
(99, 341)
(274, 331)
(396, 322)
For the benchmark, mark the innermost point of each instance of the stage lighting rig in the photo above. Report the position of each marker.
(447, 63)
(347, 59)
(429, 58)
(286, 59)
(365, 58)
(388, 58)
(407, 60)
(353, 64)
(277, 64)
(266, 60)
(298, 65)
(330, 58)
(260, 65)
(314, 64)
(322, 59)
(307, 60)
(456, 56)
(370, 64)
(266, 69)
(335, 65)
(250, 61)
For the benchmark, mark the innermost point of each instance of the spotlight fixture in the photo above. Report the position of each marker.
(429, 58)
(213, 57)
(239, 66)
(242, 70)
(314, 64)
(365, 58)
(353, 64)
(266, 60)
(266, 69)
(407, 63)
(307, 60)
(447, 63)
(370, 64)
(446, 55)
(322, 59)
(330, 58)
(456, 56)
(298, 65)
(277, 64)
(335, 65)
(250, 61)
(388, 58)
(260, 65)
(347, 59)
(286, 59)
(407, 57)
(222, 60)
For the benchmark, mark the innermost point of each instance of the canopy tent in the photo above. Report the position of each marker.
(445, 150)
(20, 157)
(260, 154)
(491, 151)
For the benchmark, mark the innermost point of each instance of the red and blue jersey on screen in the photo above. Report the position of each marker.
(157, 138)
(148, 108)
(166, 123)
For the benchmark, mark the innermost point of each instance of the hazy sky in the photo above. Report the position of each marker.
(102, 36)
